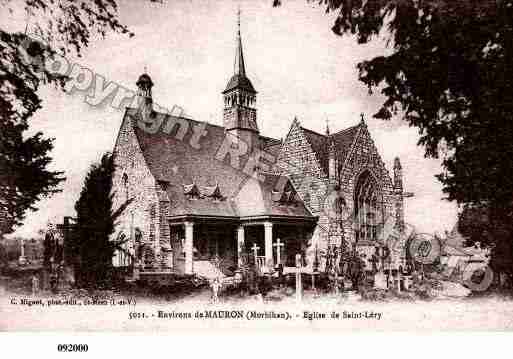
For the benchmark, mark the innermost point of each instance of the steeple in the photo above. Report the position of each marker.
(239, 115)
(239, 68)
(239, 79)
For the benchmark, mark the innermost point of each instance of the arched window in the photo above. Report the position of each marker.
(125, 185)
(367, 208)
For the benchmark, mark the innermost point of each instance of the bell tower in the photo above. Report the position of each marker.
(239, 114)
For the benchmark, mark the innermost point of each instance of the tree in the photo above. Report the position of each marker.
(91, 249)
(69, 25)
(477, 224)
(449, 75)
(4, 260)
(474, 224)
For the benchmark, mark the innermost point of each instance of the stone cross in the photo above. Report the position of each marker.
(22, 248)
(278, 246)
(255, 249)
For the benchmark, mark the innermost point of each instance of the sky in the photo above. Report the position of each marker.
(297, 65)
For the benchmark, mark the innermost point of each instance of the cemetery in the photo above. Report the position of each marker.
(343, 275)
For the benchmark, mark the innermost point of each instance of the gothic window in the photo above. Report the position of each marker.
(125, 185)
(366, 204)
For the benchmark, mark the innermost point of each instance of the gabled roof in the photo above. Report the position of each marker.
(267, 198)
(320, 144)
(271, 145)
(197, 183)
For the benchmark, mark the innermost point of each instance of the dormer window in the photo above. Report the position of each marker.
(285, 197)
(191, 191)
(163, 184)
(213, 192)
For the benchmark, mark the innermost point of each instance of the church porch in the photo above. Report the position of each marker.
(219, 246)
(200, 245)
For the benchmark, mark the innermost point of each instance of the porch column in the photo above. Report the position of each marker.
(240, 244)
(188, 246)
(268, 235)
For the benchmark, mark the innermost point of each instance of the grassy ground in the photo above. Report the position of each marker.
(491, 312)
(135, 308)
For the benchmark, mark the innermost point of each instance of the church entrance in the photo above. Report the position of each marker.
(217, 244)
(204, 247)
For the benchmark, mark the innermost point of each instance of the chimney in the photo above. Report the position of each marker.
(144, 99)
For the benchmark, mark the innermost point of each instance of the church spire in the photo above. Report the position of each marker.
(239, 113)
(239, 79)
(239, 68)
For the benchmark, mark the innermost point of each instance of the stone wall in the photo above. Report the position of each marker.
(129, 160)
(364, 156)
(298, 161)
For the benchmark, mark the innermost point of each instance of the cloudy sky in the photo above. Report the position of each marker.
(297, 65)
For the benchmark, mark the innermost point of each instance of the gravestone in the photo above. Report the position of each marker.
(22, 260)
(215, 285)
(279, 244)
(35, 285)
(407, 281)
(255, 249)
(380, 280)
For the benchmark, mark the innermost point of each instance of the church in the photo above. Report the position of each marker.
(205, 198)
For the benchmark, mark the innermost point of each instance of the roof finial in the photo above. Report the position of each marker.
(327, 127)
(238, 19)
(362, 116)
(239, 68)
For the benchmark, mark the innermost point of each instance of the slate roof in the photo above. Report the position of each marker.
(239, 78)
(271, 145)
(178, 166)
(239, 81)
(320, 144)
(274, 196)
